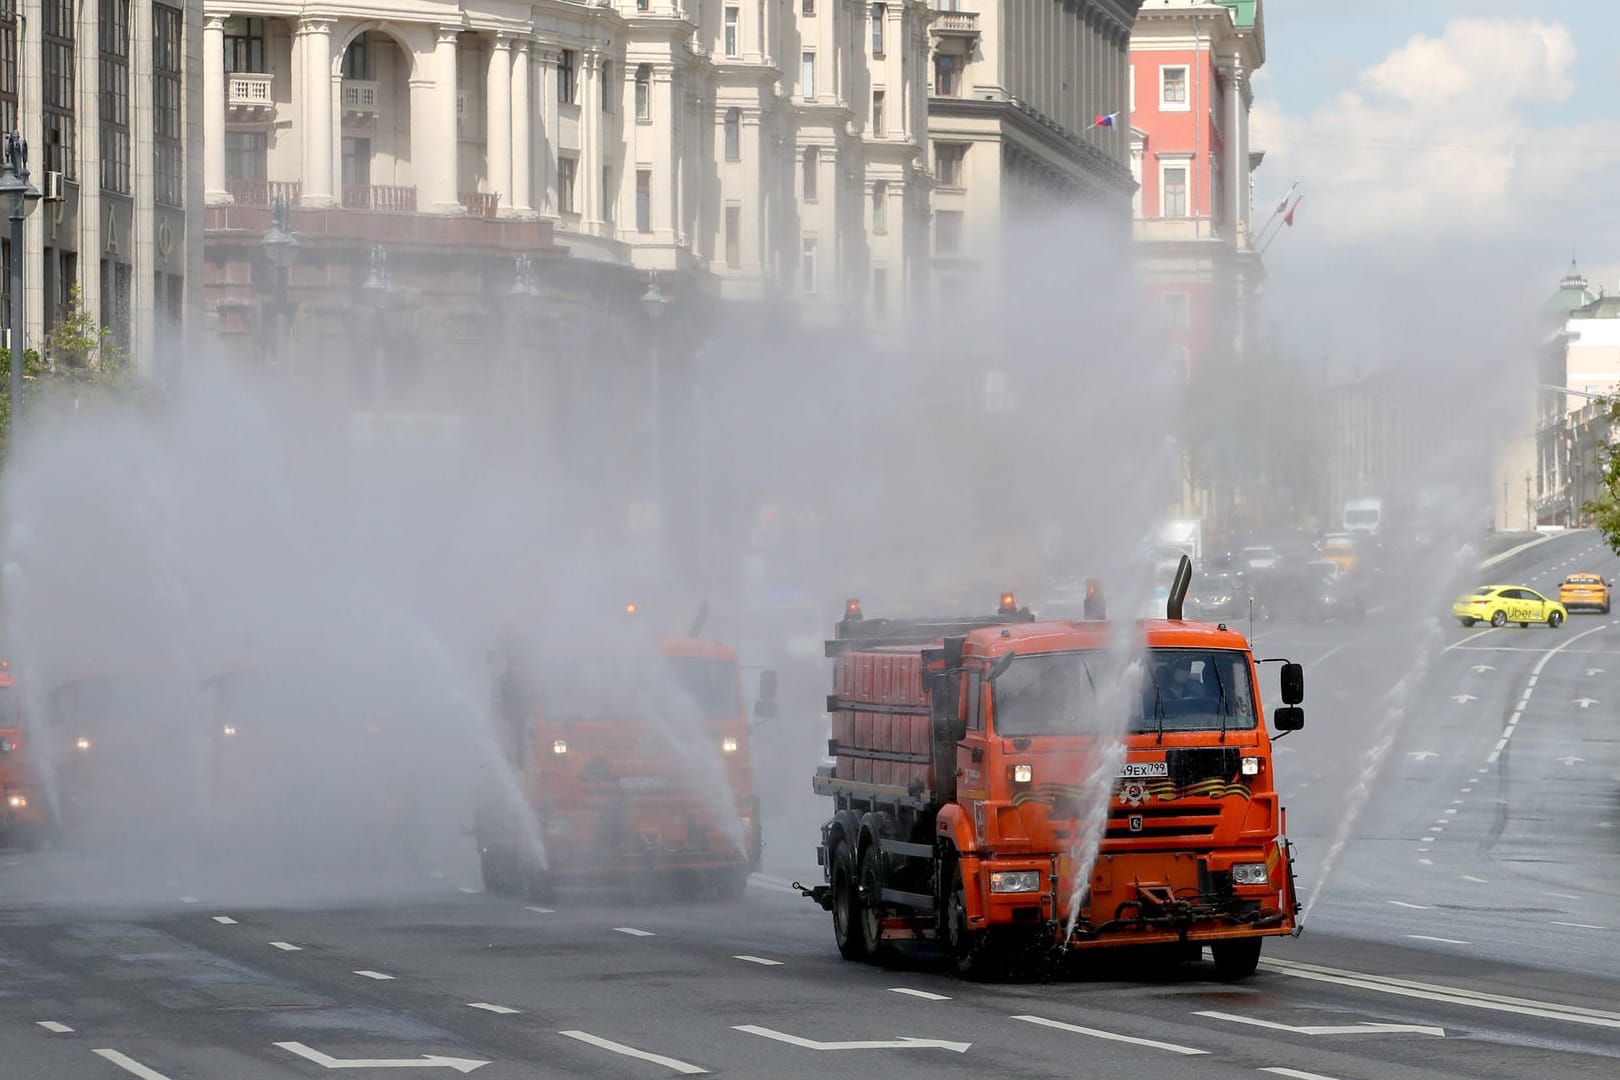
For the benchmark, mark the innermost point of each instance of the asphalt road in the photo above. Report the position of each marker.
(1467, 924)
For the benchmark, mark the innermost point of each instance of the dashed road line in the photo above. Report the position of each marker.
(1443, 940)
(1278, 1070)
(926, 995)
(683, 1067)
(377, 975)
(52, 1025)
(286, 946)
(1579, 925)
(500, 1010)
(224, 920)
(760, 960)
(1414, 907)
(1111, 1036)
(540, 910)
(1475, 880)
(633, 932)
(1513, 721)
(130, 1065)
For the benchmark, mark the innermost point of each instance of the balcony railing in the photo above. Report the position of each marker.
(399, 200)
(965, 23)
(259, 194)
(247, 91)
(481, 203)
(360, 97)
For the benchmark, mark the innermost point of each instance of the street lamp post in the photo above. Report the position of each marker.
(19, 196)
(281, 248)
(653, 302)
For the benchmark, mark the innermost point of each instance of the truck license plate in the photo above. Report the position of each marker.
(1137, 770)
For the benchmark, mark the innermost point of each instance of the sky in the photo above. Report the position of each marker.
(1441, 147)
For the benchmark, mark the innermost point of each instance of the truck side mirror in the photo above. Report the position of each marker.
(1288, 718)
(1293, 684)
(765, 704)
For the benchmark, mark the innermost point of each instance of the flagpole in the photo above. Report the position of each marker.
(1288, 219)
(1277, 213)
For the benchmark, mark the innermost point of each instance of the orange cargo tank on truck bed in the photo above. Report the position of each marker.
(619, 788)
(960, 754)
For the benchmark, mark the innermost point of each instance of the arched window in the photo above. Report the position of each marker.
(733, 134)
(644, 92)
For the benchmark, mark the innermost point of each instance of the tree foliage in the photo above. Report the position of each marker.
(80, 355)
(1604, 510)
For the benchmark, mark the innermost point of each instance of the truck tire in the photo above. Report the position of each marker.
(965, 945)
(1235, 959)
(849, 920)
(498, 870)
(871, 879)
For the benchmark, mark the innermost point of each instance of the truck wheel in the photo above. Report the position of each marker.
(1235, 959)
(965, 944)
(849, 920)
(872, 907)
(497, 870)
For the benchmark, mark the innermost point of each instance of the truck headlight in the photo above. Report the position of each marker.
(1251, 766)
(559, 746)
(17, 802)
(1250, 873)
(728, 745)
(1023, 774)
(81, 743)
(1015, 881)
(228, 730)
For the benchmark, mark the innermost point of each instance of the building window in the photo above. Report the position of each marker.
(880, 291)
(1173, 191)
(947, 75)
(56, 31)
(644, 200)
(812, 166)
(643, 5)
(807, 7)
(567, 76)
(878, 13)
(357, 58)
(880, 204)
(733, 236)
(1177, 309)
(567, 169)
(807, 264)
(732, 15)
(355, 167)
(8, 67)
(877, 112)
(948, 159)
(1173, 89)
(244, 44)
(807, 75)
(246, 156)
(947, 232)
(113, 31)
(168, 67)
(644, 92)
(733, 134)
(606, 86)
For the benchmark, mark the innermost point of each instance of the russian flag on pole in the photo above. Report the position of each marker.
(1106, 121)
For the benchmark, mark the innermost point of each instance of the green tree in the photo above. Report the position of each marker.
(79, 354)
(1605, 508)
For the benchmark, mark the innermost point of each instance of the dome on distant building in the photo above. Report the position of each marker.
(1573, 293)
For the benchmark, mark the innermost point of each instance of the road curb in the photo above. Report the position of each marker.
(1510, 552)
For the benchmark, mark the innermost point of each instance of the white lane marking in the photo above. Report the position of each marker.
(1329, 1029)
(1448, 995)
(130, 1065)
(904, 1042)
(633, 932)
(1296, 1074)
(758, 960)
(1433, 829)
(379, 976)
(1564, 895)
(1579, 925)
(924, 994)
(1466, 790)
(427, 1061)
(1111, 1036)
(1426, 862)
(1583, 702)
(676, 1064)
(1466, 640)
(499, 1010)
(1463, 699)
(1414, 907)
(1442, 940)
(1449, 810)
(183, 900)
(468, 889)
(540, 910)
(224, 920)
(286, 946)
(52, 1025)
(1475, 880)
(1421, 755)
(1546, 657)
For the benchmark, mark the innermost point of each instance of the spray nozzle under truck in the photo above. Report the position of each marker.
(980, 766)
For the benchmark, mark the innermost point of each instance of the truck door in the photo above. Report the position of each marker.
(971, 784)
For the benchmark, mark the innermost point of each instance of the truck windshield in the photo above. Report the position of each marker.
(711, 682)
(1186, 690)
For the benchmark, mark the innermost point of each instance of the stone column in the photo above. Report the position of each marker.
(214, 90)
(546, 87)
(522, 89)
(498, 119)
(1233, 143)
(588, 178)
(445, 148)
(666, 211)
(318, 104)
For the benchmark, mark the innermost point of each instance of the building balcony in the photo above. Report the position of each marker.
(1164, 230)
(481, 203)
(385, 197)
(261, 193)
(249, 94)
(963, 24)
(360, 97)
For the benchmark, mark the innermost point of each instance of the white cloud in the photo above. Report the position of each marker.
(1451, 135)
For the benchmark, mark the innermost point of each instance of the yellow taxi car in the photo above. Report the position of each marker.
(1502, 604)
(1584, 592)
(1340, 548)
